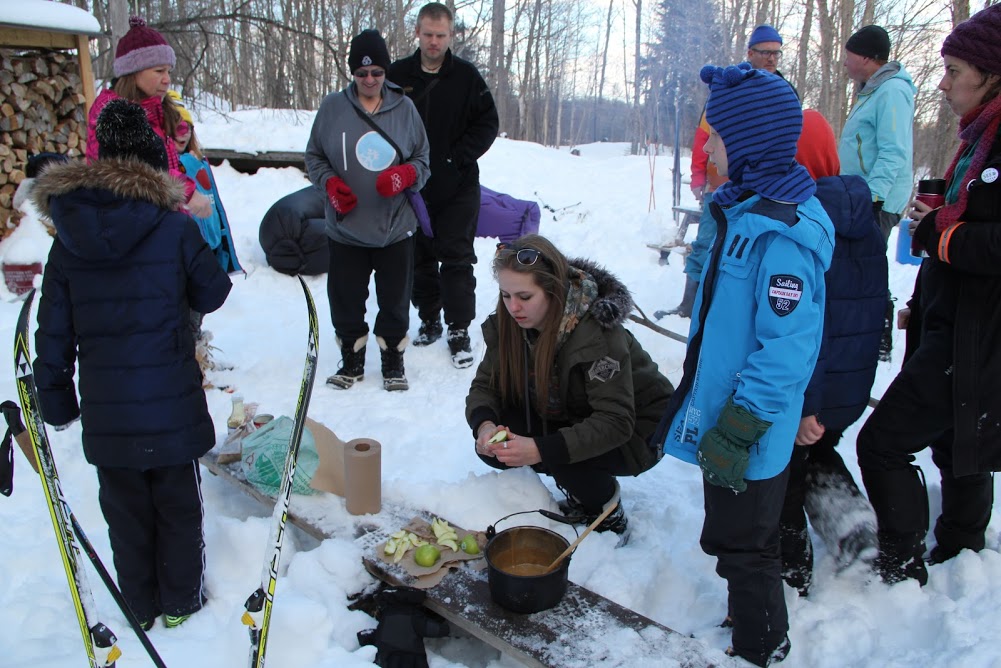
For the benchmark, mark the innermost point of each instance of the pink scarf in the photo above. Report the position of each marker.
(982, 123)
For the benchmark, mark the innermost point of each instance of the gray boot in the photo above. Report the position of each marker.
(394, 378)
(352, 367)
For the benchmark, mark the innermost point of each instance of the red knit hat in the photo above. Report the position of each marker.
(978, 40)
(141, 48)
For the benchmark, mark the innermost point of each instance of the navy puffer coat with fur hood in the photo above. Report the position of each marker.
(124, 272)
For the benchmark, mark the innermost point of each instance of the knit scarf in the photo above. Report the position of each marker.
(977, 127)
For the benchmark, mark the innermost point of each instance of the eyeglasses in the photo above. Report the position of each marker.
(375, 74)
(768, 54)
(525, 256)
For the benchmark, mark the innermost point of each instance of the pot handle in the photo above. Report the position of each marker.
(491, 531)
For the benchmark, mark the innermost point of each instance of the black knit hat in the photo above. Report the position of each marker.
(870, 42)
(368, 48)
(123, 131)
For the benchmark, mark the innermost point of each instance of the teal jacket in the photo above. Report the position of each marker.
(877, 142)
(756, 328)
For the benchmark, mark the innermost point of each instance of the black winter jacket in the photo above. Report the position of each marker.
(838, 392)
(958, 292)
(460, 118)
(123, 274)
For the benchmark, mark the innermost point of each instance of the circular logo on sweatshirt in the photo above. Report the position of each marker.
(989, 175)
(374, 153)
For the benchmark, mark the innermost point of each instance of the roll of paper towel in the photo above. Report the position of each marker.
(363, 476)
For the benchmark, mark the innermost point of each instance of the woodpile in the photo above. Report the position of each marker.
(42, 108)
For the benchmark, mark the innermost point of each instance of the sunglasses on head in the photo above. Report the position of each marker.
(525, 256)
(375, 74)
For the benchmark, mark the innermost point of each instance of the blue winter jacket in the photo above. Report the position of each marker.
(125, 270)
(838, 393)
(215, 229)
(877, 142)
(756, 327)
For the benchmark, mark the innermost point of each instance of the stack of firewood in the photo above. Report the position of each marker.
(41, 109)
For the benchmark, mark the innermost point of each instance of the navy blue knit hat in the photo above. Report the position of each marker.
(759, 119)
(764, 33)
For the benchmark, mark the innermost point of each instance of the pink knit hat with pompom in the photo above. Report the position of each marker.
(141, 48)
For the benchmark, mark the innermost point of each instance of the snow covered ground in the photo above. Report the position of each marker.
(601, 200)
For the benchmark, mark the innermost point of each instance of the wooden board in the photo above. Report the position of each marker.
(584, 630)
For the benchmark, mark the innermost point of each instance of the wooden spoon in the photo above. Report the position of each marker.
(573, 546)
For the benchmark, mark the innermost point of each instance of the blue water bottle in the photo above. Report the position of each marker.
(904, 243)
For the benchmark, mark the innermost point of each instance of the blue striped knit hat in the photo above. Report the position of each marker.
(759, 119)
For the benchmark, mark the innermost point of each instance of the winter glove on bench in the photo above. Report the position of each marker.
(341, 197)
(403, 625)
(725, 449)
(395, 180)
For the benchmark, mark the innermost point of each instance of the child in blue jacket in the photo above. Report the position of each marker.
(754, 339)
(196, 166)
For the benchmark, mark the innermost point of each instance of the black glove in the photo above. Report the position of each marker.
(724, 451)
(926, 235)
(403, 625)
(877, 206)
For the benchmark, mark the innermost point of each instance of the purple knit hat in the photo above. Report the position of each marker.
(977, 40)
(140, 49)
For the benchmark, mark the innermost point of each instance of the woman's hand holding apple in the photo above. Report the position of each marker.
(516, 451)
(486, 431)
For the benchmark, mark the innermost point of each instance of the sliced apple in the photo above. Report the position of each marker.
(498, 437)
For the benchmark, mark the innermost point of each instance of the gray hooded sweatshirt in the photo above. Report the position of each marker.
(342, 144)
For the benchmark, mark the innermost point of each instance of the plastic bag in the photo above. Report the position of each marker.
(264, 453)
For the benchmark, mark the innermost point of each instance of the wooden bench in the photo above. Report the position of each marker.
(688, 215)
(585, 629)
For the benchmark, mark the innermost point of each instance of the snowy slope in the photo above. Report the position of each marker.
(601, 198)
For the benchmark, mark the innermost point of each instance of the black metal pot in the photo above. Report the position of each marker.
(516, 559)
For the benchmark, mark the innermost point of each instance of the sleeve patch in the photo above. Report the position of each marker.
(784, 293)
(604, 369)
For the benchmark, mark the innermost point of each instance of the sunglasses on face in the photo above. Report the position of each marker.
(375, 74)
(525, 256)
(183, 129)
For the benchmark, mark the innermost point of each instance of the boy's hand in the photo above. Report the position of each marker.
(724, 451)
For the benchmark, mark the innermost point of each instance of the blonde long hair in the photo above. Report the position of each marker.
(550, 271)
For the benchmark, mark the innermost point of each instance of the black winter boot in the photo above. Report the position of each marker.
(394, 378)
(352, 369)
(900, 500)
(901, 557)
(684, 309)
(460, 346)
(430, 331)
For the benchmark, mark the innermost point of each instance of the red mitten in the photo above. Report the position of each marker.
(395, 180)
(341, 197)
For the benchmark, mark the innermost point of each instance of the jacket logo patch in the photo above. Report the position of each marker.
(989, 175)
(604, 369)
(784, 293)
